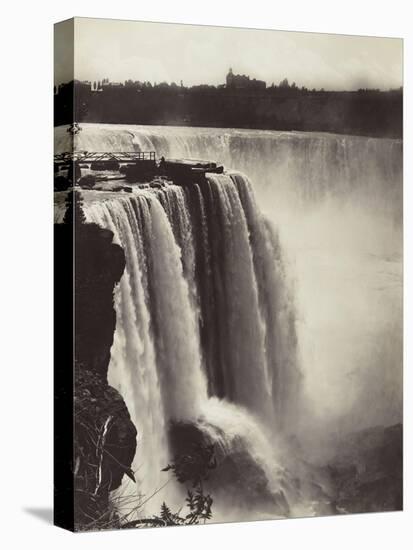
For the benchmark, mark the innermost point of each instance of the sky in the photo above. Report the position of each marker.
(157, 52)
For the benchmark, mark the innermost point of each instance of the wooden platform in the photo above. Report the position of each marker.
(135, 166)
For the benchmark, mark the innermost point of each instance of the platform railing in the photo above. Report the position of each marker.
(104, 156)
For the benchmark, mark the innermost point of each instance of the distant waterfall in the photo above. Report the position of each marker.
(200, 309)
(250, 312)
(305, 164)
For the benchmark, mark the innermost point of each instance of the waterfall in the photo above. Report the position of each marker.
(308, 165)
(199, 311)
(255, 309)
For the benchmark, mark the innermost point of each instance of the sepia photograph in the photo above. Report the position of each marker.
(228, 300)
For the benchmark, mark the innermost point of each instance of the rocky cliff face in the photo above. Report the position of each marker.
(99, 265)
(104, 435)
(105, 444)
(235, 469)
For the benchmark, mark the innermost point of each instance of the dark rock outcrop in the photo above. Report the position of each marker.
(105, 443)
(237, 472)
(99, 265)
(87, 182)
(92, 423)
(61, 183)
(367, 471)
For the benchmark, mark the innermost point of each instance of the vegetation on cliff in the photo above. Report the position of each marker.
(92, 423)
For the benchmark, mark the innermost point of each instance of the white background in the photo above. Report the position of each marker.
(26, 272)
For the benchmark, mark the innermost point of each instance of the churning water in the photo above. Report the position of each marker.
(259, 306)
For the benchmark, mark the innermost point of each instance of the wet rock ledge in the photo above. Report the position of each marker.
(103, 433)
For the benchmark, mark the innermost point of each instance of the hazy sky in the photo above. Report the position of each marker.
(199, 54)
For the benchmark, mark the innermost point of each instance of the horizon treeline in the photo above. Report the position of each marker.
(369, 112)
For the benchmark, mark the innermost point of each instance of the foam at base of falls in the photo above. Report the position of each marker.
(336, 201)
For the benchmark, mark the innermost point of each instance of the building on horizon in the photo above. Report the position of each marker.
(242, 81)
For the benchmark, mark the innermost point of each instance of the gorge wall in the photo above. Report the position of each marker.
(104, 436)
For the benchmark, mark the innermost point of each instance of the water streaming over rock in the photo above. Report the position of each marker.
(197, 311)
(207, 331)
(308, 165)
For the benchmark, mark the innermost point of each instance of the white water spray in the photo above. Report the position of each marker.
(225, 323)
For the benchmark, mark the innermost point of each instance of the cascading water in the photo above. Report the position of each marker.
(192, 324)
(305, 165)
(336, 201)
(207, 331)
